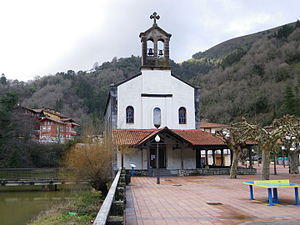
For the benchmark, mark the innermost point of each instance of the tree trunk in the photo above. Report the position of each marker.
(234, 164)
(294, 162)
(266, 165)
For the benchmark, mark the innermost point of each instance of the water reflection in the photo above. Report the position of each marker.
(17, 208)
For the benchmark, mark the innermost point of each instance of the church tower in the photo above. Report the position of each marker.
(155, 97)
(155, 47)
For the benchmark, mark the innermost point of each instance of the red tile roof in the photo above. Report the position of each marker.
(199, 137)
(212, 125)
(52, 119)
(130, 136)
(138, 136)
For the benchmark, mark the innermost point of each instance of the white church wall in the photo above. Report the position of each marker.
(133, 157)
(173, 158)
(183, 97)
(129, 94)
(189, 158)
(155, 82)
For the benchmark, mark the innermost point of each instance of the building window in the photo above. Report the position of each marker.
(182, 115)
(129, 114)
(157, 117)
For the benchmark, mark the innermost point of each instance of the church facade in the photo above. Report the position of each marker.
(154, 103)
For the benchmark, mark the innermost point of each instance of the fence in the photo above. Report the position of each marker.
(112, 209)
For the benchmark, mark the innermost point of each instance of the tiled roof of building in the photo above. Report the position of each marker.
(52, 115)
(130, 136)
(199, 137)
(52, 119)
(212, 125)
(138, 136)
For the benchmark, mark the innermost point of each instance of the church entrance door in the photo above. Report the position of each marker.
(162, 156)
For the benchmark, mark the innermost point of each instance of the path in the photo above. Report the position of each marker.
(207, 200)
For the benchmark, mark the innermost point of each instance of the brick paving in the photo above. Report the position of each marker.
(208, 200)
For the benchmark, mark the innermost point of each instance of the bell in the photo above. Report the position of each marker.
(150, 51)
(160, 53)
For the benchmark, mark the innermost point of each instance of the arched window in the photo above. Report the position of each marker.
(182, 115)
(129, 114)
(157, 117)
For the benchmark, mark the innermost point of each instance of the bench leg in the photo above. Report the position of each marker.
(275, 195)
(251, 192)
(270, 197)
(296, 196)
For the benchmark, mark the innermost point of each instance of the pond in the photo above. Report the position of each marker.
(18, 208)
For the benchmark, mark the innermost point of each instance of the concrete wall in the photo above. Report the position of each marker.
(155, 82)
(173, 158)
(134, 157)
(139, 158)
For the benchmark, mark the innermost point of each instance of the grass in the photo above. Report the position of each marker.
(80, 210)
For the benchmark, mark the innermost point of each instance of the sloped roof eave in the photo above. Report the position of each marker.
(165, 129)
(193, 137)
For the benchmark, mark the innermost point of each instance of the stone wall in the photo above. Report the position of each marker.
(197, 172)
(215, 171)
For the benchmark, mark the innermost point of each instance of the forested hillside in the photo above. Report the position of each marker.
(256, 76)
(260, 81)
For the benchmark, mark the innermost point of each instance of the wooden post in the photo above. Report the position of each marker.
(181, 157)
(142, 158)
(214, 158)
(206, 157)
(148, 161)
(222, 157)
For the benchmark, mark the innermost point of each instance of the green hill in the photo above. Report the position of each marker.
(258, 78)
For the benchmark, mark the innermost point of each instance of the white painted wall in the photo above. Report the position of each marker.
(133, 157)
(189, 159)
(155, 82)
(139, 158)
(173, 158)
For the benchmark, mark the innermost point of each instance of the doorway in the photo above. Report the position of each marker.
(162, 156)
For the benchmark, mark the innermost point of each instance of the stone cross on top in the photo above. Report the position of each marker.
(155, 17)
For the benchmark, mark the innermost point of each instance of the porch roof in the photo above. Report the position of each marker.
(135, 137)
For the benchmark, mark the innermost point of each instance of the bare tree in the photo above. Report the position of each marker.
(267, 137)
(91, 161)
(235, 138)
(291, 125)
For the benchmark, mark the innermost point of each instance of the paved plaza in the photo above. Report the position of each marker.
(208, 200)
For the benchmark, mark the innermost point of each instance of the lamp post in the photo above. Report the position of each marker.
(157, 139)
(283, 155)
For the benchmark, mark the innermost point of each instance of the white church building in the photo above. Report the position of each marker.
(157, 102)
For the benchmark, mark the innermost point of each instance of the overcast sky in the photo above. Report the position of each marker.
(42, 37)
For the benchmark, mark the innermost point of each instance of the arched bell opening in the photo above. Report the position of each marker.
(160, 48)
(150, 47)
